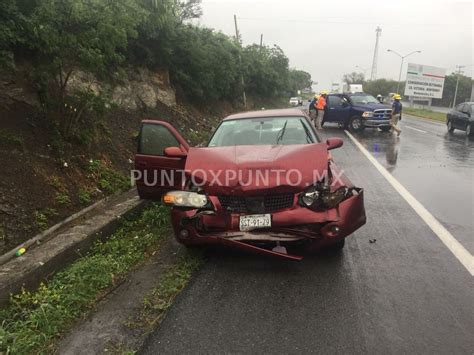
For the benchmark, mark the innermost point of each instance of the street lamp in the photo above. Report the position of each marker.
(401, 65)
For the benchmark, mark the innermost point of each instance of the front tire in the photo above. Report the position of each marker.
(356, 124)
(469, 131)
(338, 246)
(450, 126)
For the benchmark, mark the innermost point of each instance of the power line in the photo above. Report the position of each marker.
(320, 20)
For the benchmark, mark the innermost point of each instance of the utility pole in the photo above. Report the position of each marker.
(239, 43)
(373, 74)
(459, 72)
(261, 41)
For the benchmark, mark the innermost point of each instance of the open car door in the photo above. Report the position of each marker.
(160, 159)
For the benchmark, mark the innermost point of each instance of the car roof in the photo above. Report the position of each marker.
(287, 112)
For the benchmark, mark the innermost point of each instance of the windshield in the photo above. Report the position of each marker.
(263, 131)
(363, 99)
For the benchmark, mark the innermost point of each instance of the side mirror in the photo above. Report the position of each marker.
(175, 152)
(344, 103)
(334, 143)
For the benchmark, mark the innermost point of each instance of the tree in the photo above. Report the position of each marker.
(204, 64)
(382, 87)
(298, 80)
(265, 69)
(9, 34)
(70, 35)
(353, 78)
(464, 90)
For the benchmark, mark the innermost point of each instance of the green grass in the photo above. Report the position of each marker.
(174, 280)
(34, 320)
(10, 139)
(437, 116)
(62, 198)
(85, 196)
(109, 180)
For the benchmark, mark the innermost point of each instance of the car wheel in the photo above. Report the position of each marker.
(450, 126)
(386, 128)
(337, 246)
(469, 130)
(356, 124)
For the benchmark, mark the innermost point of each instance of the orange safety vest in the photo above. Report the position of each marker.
(321, 103)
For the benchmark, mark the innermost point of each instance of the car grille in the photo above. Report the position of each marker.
(260, 204)
(382, 114)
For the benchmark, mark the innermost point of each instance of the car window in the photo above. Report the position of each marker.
(334, 101)
(363, 99)
(470, 107)
(263, 131)
(154, 139)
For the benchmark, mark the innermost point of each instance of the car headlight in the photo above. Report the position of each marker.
(367, 114)
(185, 199)
(322, 197)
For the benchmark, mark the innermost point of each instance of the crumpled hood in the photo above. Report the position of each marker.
(256, 169)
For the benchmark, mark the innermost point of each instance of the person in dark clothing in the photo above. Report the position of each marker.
(313, 112)
(396, 113)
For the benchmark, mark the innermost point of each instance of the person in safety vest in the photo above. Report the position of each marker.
(321, 105)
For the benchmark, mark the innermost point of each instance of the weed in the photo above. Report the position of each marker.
(41, 220)
(33, 320)
(171, 284)
(42, 217)
(84, 196)
(108, 179)
(63, 199)
(57, 184)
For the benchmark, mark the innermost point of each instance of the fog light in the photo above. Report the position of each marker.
(183, 233)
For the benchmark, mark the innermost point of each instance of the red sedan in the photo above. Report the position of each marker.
(265, 182)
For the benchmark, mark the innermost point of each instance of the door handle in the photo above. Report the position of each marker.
(332, 108)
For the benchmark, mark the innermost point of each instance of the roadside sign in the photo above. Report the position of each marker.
(424, 81)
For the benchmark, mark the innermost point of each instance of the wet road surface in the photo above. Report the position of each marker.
(435, 166)
(404, 293)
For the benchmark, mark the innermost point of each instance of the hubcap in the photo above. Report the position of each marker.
(356, 123)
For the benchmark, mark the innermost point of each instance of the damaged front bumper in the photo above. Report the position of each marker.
(295, 226)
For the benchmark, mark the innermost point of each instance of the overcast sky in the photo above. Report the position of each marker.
(330, 38)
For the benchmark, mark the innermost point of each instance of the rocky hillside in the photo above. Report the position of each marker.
(44, 178)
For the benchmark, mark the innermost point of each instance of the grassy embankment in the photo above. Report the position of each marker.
(35, 321)
(432, 115)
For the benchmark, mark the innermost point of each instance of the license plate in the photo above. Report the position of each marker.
(255, 221)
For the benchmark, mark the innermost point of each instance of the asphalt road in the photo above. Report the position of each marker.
(404, 293)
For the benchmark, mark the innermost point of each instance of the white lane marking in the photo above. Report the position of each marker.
(466, 259)
(416, 129)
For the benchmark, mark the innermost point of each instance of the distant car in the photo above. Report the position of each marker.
(296, 101)
(238, 191)
(357, 111)
(461, 118)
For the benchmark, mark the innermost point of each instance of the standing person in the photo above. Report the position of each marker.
(321, 105)
(396, 113)
(313, 111)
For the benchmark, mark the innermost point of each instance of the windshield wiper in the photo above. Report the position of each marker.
(281, 133)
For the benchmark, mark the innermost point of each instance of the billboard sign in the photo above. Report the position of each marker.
(424, 81)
